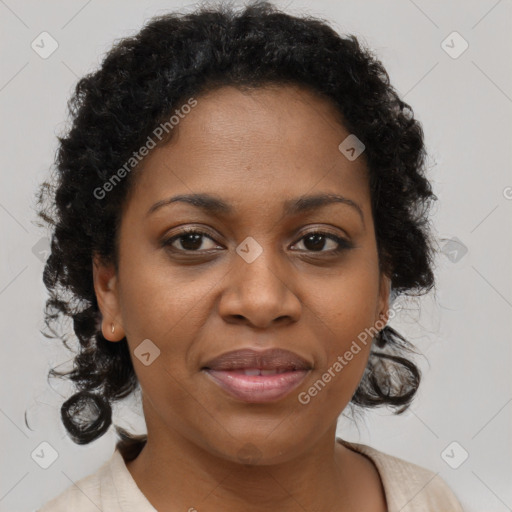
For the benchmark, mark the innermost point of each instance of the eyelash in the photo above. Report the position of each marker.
(343, 244)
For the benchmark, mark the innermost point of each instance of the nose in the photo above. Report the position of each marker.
(260, 293)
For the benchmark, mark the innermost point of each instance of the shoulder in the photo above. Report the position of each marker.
(85, 495)
(110, 489)
(409, 487)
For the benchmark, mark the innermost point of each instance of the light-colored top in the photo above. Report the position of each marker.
(408, 488)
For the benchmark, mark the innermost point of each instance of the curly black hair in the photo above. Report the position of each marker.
(143, 80)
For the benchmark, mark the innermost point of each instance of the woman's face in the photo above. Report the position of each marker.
(256, 280)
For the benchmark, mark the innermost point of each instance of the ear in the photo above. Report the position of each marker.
(107, 294)
(382, 313)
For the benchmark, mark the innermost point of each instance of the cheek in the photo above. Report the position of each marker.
(170, 312)
(161, 303)
(345, 307)
(347, 302)
(342, 359)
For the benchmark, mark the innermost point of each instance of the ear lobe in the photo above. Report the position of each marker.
(384, 291)
(106, 290)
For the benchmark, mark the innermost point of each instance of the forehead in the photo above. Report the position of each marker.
(267, 143)
(281, 117)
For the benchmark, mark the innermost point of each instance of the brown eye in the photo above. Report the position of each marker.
(189, 240)
(317, 241)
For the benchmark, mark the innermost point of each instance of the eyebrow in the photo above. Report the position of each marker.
(216, 206)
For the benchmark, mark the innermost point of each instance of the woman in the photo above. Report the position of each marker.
(239, 198)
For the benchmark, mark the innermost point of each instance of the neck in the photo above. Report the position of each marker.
(177, 472)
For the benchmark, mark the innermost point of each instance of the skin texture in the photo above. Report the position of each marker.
(254, 150)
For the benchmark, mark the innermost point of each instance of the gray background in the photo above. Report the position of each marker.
(463, 329)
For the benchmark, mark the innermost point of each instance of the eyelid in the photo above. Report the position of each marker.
(167, 240)
(323, 229)
(344, 243)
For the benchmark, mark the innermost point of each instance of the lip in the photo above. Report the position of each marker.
(257, 389)
(287, 371)
(270, 359)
